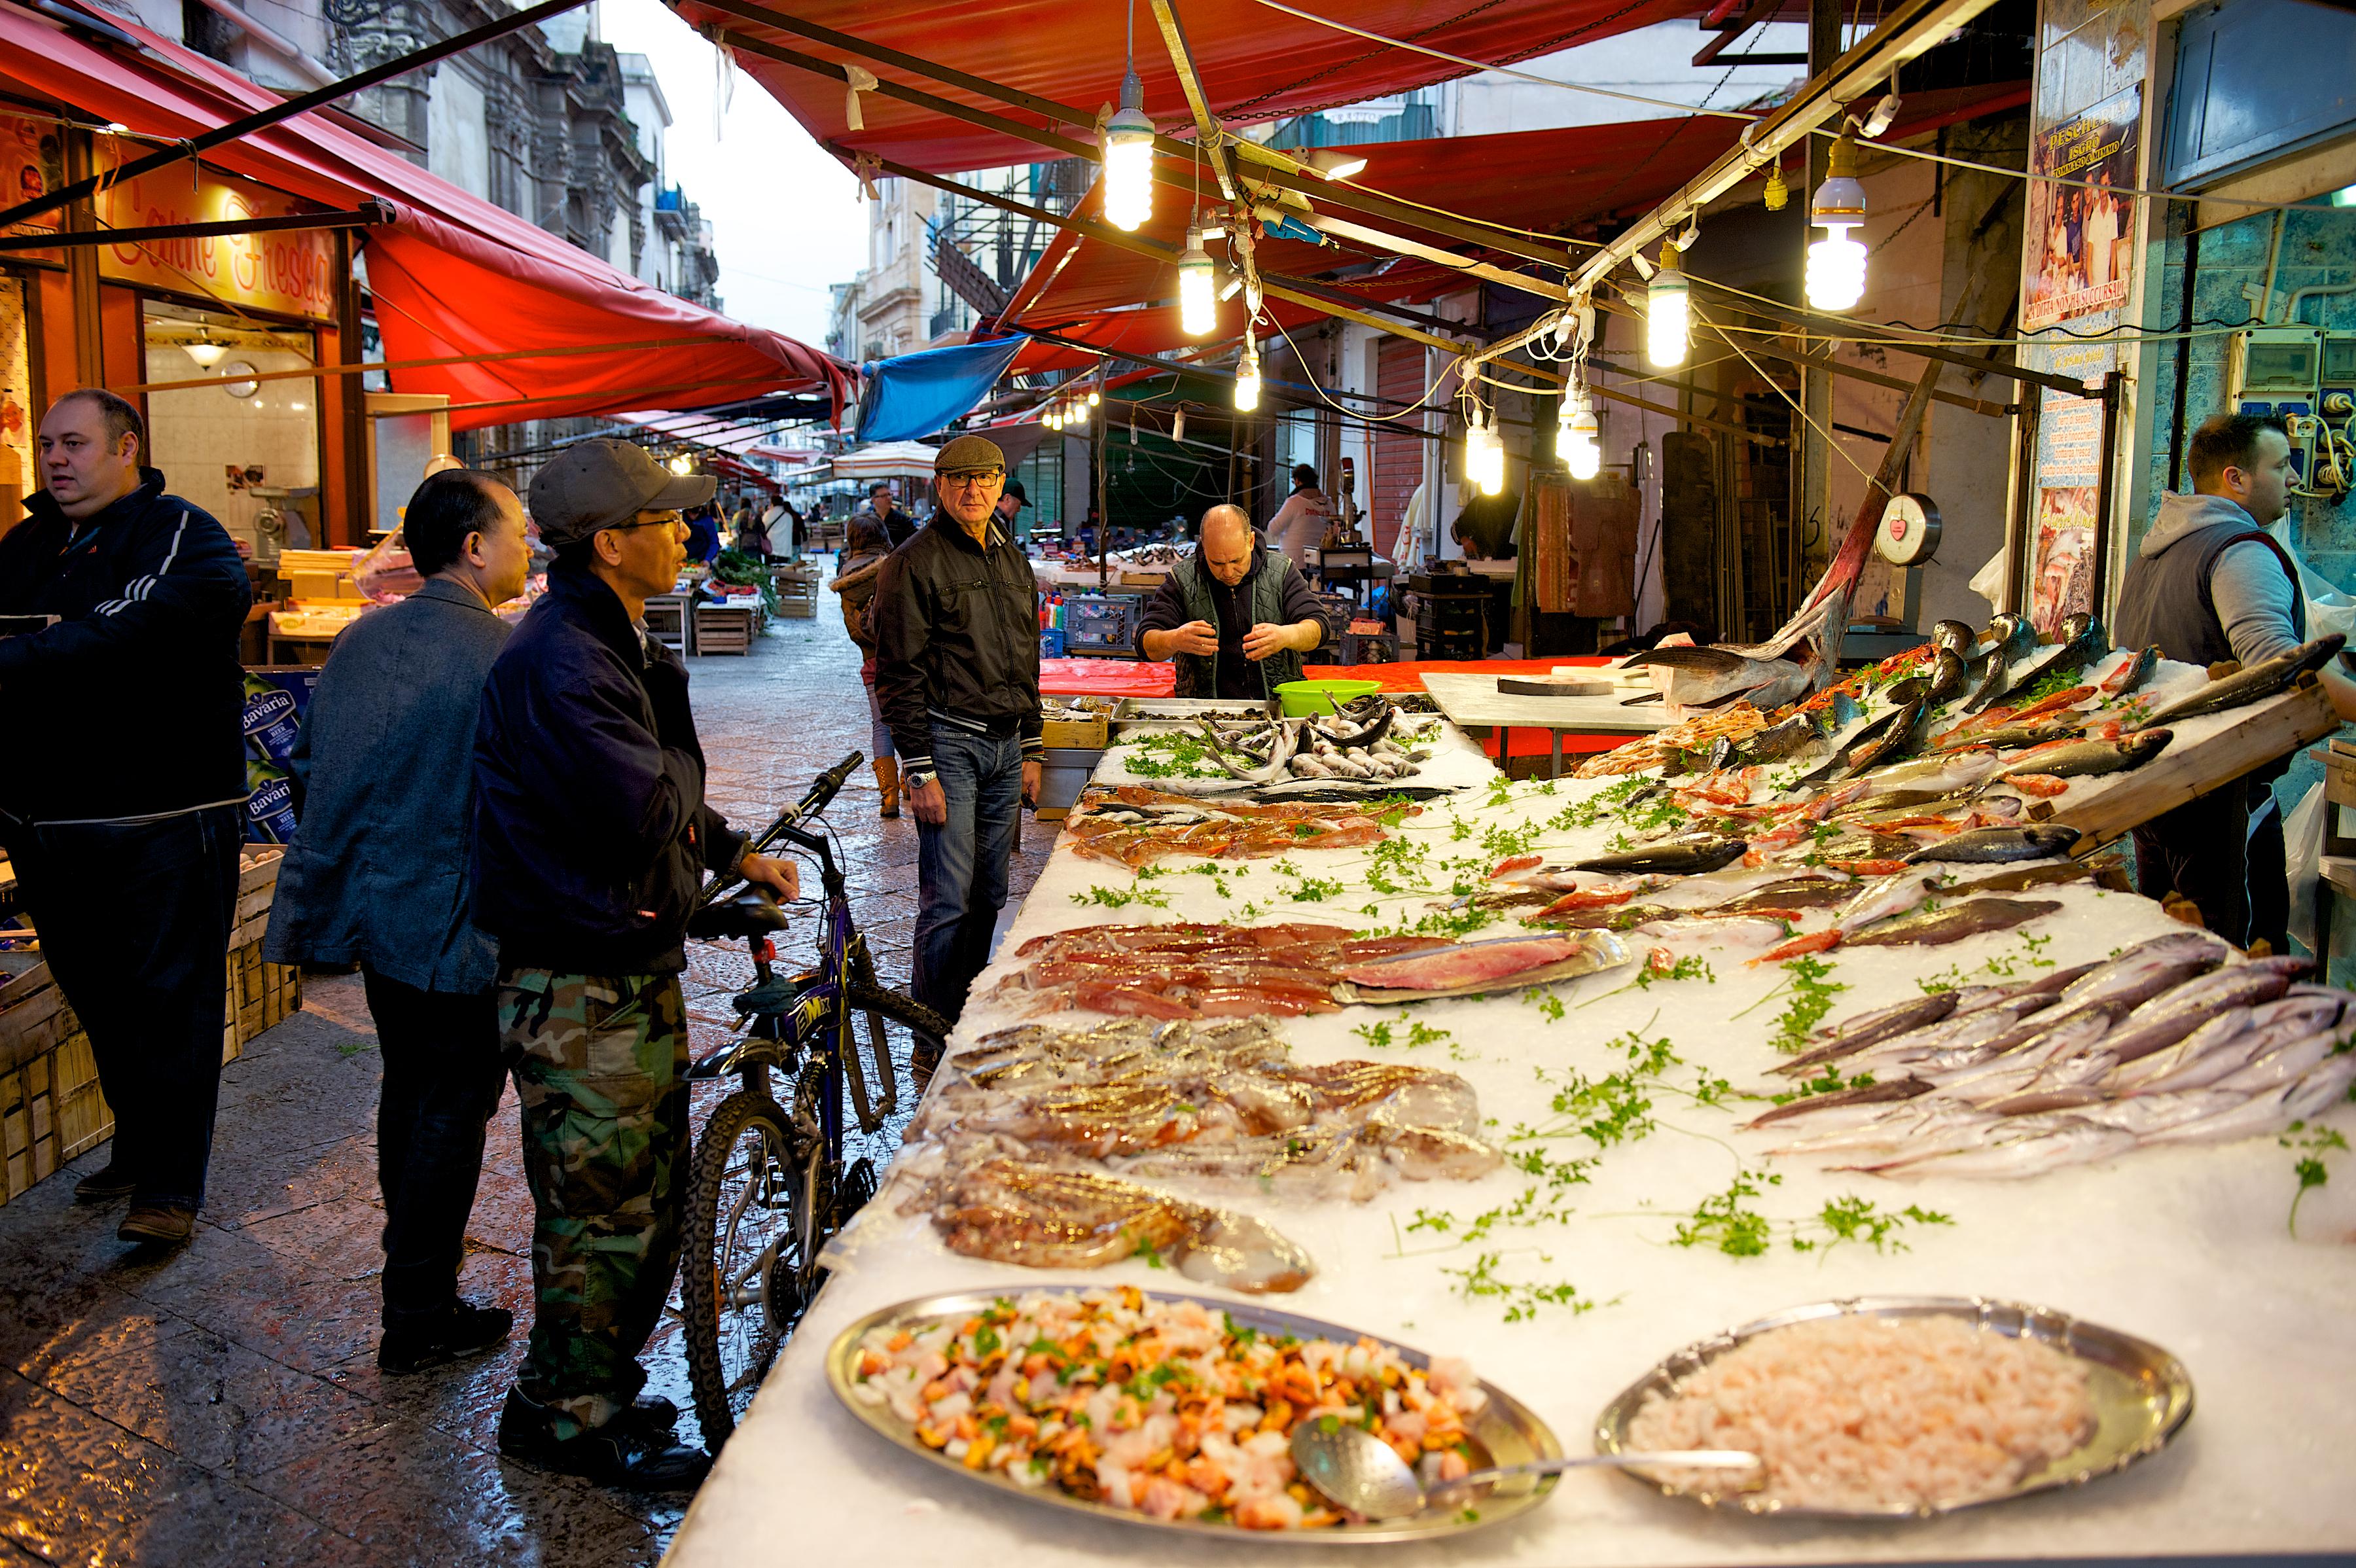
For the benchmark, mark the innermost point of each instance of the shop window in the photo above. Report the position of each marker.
(18, 413)
(246, 450)
(2254, 81)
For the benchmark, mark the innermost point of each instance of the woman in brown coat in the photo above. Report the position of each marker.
(862, 557)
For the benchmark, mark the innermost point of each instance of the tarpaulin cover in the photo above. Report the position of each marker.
(1548, 181)
(1106, 677)
(1256, 64)
(453, 274)
(910, 395)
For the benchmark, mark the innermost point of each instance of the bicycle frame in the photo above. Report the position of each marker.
(818, 1021)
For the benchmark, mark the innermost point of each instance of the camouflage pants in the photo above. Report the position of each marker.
(600, 1066)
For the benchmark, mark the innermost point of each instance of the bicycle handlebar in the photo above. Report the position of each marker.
(822, 792)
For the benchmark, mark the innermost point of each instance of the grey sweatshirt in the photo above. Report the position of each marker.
(2251, 593)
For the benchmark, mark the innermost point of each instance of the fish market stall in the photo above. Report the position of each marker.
(1373, 747)
(1542, 1085)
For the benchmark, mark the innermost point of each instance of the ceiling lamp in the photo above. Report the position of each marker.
(1129, 148)
(1668, 315)
(1198, 309)
(204, 351)
(1485, 454)
(1335, 164)
(1837, 262)
(1248, 377)
(1576, 436)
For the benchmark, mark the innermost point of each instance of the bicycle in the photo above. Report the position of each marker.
(767, 1186)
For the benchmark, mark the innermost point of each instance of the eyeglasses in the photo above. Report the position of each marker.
(974, 476)
(667, 519)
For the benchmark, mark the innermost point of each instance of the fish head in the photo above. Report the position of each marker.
(1954, 636)
(2074, 625)
(1948, 673)
(1907, 691)
(2050, 837)
(2145, 743)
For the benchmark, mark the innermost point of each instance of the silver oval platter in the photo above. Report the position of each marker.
(2141, 1395)
(1504, 1431)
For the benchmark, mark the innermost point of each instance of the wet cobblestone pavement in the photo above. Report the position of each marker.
(221, 1404)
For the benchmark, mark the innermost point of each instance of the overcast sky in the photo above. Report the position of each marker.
(786, 218)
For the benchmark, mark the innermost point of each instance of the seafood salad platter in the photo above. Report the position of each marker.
(1797, 1055)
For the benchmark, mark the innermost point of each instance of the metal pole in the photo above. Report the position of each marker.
(366, 215)
(81, 186)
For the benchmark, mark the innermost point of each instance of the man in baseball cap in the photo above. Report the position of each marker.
(591, 843)
(956, 674)
(1010, 505)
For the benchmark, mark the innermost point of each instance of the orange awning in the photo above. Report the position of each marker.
(453, 274)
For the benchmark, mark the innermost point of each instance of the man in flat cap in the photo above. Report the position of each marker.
(957, 670)
(590, 840)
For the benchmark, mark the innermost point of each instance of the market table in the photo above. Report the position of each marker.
(2170, 1243)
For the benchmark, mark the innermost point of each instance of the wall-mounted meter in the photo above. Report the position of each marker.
(2309, 380)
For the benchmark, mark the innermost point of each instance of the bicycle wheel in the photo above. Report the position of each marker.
(888, 1032)
(748, 1255)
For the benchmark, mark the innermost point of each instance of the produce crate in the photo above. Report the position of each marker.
(1075, 735)
(724, 628)
(667, 622)
(797, 588)
(51, 1108)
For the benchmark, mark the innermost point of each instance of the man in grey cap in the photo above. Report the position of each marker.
(957, 673)
(590, 840)
(1010, 508)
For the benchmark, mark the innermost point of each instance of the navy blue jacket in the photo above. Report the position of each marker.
(377, 873)
(129, 705)
(590, 835)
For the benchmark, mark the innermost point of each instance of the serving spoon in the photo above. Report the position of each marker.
(1358, 1471)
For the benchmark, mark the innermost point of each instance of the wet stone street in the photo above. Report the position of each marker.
(221, 1404)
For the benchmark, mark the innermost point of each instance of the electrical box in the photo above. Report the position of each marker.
(2305, 379)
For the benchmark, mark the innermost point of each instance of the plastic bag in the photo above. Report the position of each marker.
(2328, 609)
(2303, 855)
(384, 573)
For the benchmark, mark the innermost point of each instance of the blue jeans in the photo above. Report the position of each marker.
(962, 865)
(879, 734)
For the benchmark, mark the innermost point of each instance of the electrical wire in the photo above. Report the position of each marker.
(1418, 406)
(1830, 443)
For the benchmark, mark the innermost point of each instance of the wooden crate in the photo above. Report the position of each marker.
(797, 590)
(1075, 735)
(724, 628)
(667, 622)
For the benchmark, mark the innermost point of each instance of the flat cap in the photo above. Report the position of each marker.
(604, 483)
(968, 453)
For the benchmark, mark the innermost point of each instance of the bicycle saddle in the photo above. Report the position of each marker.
(751, 913)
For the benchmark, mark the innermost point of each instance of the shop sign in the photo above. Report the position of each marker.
(2082, 241)
(290, 273)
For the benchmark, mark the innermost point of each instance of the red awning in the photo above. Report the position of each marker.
(1550, 182)
(1256, 64)
(453, 274)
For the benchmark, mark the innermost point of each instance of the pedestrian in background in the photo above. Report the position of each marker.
(702, 534)
(1299, 525)
(856, 580)
(897, 526)
(123, 789)
(591, 841)
(957, 668)
(377, 876)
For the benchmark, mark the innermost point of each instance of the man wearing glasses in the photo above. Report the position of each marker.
(591, 839)
(957, 668)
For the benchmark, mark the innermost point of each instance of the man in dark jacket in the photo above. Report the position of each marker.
(2209, 584)
(957, 672)
(591, 843)
(881, 512)
(123, 789)
(1236, 617)
(377, 877)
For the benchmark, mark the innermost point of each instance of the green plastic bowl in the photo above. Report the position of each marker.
(1304, 699)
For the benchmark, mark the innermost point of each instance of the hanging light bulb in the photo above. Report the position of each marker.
(1178, 426)
(1129, 148)
(1485, 454)
(1837, 262)
(1248, 377)
(682, 465)
(1093, 398)
(1668, 323)
(204, 351)
(1198, 310)
(1778, 194)
(1576, 436)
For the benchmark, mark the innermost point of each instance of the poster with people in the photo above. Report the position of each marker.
(2081, 243)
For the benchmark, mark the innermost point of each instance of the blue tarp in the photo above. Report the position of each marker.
(919, 395)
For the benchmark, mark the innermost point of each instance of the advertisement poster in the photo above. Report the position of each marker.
(2063, 580)
(2081, 243)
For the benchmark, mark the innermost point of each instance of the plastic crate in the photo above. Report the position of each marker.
(1051, 643)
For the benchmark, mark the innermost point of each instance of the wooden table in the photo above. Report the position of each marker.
(1473, 701)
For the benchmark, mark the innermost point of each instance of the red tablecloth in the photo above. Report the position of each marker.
(1130, 678)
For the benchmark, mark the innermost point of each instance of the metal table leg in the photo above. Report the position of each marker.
(1555, 735)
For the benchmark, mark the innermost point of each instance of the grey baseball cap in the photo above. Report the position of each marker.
(604, 483)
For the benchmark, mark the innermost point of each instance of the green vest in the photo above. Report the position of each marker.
(1198, 674)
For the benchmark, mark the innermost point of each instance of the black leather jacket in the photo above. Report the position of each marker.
(956, 632)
